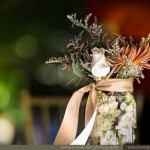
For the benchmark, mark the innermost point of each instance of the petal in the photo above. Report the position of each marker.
(100, 70)
(96, 58)
(97, 50)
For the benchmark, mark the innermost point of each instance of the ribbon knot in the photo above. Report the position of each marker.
(68, 129)
(92, 85)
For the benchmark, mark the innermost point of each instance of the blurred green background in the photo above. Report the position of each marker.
(31, 31)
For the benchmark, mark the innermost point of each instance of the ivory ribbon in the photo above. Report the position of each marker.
(68, 129)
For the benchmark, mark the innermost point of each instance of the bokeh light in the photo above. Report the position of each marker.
(7, 131)
(4, 97)
(26, 46)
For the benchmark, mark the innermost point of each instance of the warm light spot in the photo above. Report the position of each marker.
(111, 26)
(6, 131)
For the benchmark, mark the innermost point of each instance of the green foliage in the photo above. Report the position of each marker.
(77, 68)
(125, 59)
(11, 82)
(78, 58)
(95, 31)
(76, 43)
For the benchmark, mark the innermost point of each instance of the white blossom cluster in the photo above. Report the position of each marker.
(115, 121)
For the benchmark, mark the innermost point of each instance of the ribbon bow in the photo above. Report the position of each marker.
(68, 129)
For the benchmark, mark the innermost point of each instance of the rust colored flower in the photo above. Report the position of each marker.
(131, 56)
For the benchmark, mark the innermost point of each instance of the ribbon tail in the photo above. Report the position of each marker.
(90, 115)
(83, 137)
(91, 105)
(68, 128)
(89, 109)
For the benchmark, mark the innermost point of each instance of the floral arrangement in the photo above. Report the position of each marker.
(99, 58)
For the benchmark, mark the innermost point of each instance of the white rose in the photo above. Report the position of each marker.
(104, 97)
(130, 114)
(129, 108)
(128, 136)
(98, 132)
(123, 106)
(121, 124)
(112, 99)
(117, 113)
(112, 111)
(125, 124)
(99, 65)
(109, 133)
(107, 125)
(124, 117)
(129, 124)
(113, 140)
(133, 121)
(123, 131)
(103, 108)
(113, 106)
(100, 119)
(129, 97)
(123, 139)
(104, 141)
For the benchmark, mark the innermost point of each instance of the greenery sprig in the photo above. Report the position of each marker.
(125, 59)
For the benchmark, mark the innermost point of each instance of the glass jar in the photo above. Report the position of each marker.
(115, 121)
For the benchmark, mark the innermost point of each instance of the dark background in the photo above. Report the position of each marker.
(31, 31)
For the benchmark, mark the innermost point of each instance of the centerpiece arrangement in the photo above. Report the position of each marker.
(110, 65)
